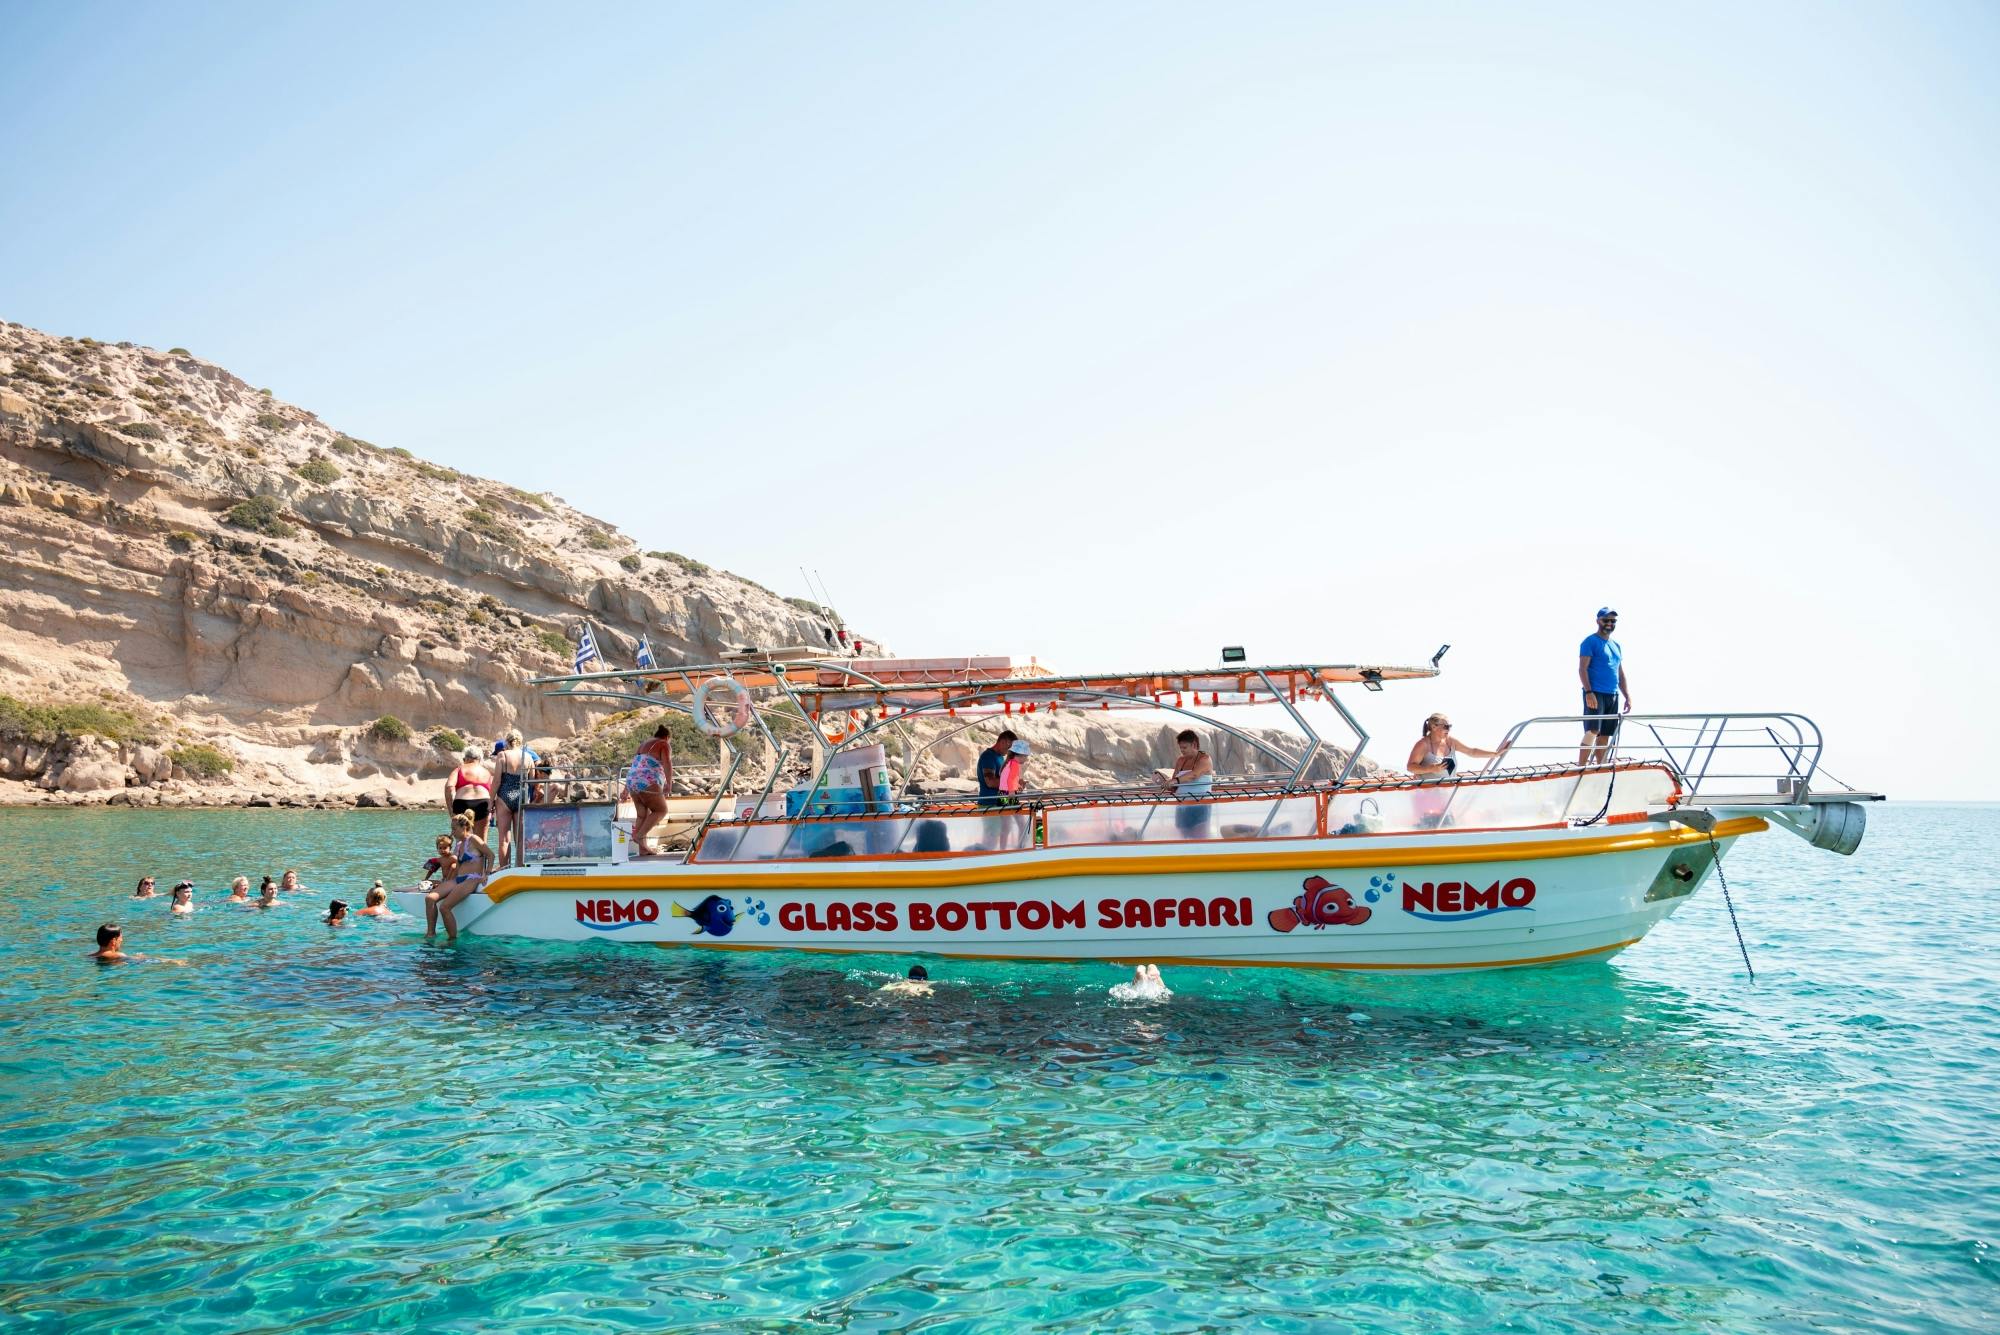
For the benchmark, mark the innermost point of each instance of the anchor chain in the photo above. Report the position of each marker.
(1731, 904)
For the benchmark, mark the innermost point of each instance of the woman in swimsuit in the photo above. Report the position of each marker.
(472, 859)
(509, 787)
(469, 791)
(648, 781)
(1433, 755)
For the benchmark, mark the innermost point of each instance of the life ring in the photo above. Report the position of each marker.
(732, 717)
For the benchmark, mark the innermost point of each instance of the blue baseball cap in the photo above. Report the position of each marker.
(1607, 611)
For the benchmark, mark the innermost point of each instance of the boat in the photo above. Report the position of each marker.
(1305, 860)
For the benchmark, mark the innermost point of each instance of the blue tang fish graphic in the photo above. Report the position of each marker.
(714, 916)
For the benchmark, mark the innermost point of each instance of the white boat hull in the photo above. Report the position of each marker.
(1435, 902)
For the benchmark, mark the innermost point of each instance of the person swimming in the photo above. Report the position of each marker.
(336, 913)
(183, 897)
(377, 905)
(290, 885)
(267, 894)
(110, 943)
(111, 948)
(1146, 985)
(239, 890)
(916, 984)
(144, 890)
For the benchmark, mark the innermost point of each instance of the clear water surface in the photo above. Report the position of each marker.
(309, 1127)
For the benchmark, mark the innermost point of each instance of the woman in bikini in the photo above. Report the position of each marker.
(472, 859)
(648, 781)
(469, 791)
(1435, 754)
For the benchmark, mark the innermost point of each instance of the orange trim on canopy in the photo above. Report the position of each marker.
(930, 683)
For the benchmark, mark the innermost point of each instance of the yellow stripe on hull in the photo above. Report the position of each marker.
(1043, 866)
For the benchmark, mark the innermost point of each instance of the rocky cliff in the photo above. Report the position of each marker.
(222, 570)
(208, 595)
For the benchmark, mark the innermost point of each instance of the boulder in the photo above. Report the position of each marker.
(93, 774)
(22, 759)
(379, 797)
(151, 764)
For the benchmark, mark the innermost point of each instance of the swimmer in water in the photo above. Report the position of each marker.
(378, 903)
(111, 948)
(917, 984)
(183, 898)
(239, 890)
(145, 889)
(336, 913)
(267, 896)
(1146, 985)
(290, 885)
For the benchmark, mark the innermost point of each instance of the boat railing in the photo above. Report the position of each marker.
(1525, 799)
(1769, 757)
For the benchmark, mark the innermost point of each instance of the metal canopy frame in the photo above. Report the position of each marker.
(859, 691)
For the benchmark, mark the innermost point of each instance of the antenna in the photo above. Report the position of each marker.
(826, 601)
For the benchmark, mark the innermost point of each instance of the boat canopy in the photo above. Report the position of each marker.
(899, 685)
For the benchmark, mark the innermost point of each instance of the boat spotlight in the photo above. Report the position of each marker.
(1232, 653)
(1371, 678)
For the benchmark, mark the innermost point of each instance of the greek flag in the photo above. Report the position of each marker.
(646, 659)
(586, 647)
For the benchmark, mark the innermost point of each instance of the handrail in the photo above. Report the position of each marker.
(1794, 739)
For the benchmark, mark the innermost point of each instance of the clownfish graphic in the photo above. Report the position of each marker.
(1323, 904)
(714, 916)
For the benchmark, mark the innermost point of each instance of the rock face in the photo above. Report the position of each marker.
(175, 540)
(262, 588)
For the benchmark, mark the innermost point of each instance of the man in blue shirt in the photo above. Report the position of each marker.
(1600, 665)
(991, 761)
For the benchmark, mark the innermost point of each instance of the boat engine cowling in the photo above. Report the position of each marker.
(1836, 826)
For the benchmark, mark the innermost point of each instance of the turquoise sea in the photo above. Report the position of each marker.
(310, 1127)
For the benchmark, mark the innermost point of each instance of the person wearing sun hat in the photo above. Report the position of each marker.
(1600, 665)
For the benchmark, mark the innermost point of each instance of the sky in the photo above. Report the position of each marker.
(1113, 333)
